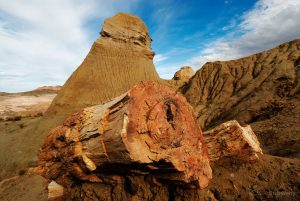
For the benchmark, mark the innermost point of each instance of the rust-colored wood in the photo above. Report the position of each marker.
(230, 139)
(149, 130)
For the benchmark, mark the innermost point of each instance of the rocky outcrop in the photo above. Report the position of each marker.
(121, 57)
(180, 78)
(261, 90)
(184, 73)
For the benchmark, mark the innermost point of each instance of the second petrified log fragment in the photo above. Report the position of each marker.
(230, 139)
(149, 130)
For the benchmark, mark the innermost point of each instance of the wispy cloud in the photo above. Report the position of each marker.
(43, 42)
(268, 24)
(46, 40)
(159, 58)
(231, 25)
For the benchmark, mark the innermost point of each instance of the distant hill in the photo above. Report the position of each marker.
(25, 104)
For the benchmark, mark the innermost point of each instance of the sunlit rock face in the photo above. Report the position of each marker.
(118, 59)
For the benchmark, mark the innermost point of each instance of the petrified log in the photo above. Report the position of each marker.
(149, 130)
(230, 139)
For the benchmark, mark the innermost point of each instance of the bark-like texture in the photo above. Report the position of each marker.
(261, 90)
(232, 140)
(149, 130)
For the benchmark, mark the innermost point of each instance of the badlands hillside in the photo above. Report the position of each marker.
(262, 90)
(108, 136)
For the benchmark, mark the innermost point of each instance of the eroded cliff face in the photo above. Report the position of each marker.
(261, 90)
(118, 59)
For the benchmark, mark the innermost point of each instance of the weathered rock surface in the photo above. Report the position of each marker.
(184, 73)
(151, 130)
(118, 59)
(232, 140)
(261, 90)
(180, 78)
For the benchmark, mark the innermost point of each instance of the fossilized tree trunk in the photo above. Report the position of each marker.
(148, 130)
(230, 139)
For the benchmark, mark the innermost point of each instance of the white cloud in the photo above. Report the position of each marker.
(45, 41)
(231, 25)
(268, 24)
(159, 58)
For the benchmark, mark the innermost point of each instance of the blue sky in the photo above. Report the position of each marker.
(43, 41)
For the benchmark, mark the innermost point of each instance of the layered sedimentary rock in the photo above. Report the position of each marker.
(118, 59)
(151, 130)
(261, 90)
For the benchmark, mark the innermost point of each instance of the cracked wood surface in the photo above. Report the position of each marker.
(149, 130)
(230, 139)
